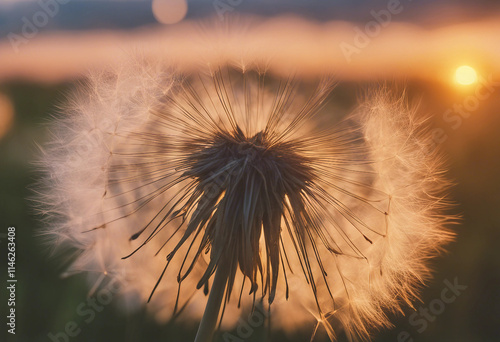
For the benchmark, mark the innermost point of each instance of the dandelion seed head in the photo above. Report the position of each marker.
(224, 184)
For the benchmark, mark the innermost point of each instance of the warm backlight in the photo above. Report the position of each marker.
(465, 75)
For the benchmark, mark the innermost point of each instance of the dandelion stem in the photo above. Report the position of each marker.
(211, 314)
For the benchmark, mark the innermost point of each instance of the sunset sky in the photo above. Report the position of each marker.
(358, 40)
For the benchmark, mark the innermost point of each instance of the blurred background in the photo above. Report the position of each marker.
(444, 53)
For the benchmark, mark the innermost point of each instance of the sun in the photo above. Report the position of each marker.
(465, 75)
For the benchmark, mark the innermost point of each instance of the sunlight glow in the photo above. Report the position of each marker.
(465, 75)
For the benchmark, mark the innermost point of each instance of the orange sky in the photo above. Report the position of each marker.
(352, 51)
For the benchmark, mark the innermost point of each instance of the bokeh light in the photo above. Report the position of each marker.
(169, 11)
(6, 115)
(465, 75)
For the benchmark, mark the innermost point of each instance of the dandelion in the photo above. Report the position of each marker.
(226, 188)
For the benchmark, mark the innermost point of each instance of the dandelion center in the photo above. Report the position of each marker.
(242, 183)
